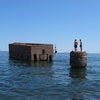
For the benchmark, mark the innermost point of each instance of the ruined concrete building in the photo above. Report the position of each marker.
(31, 52)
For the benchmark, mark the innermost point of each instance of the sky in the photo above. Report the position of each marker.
(57, 22)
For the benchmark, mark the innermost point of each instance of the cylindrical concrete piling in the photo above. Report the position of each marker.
(78, 59)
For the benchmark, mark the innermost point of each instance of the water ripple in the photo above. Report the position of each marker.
(49, 80)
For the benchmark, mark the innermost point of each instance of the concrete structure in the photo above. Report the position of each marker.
(78, 59)
(31, 52)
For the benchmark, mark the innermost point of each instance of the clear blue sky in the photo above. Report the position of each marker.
(51, 21)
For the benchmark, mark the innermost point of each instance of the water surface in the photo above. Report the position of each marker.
(49, 80)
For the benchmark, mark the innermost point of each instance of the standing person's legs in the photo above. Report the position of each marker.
(75, 47)
(81, 48)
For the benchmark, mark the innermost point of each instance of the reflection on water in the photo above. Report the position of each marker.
(76, 99)
(78, 73)
(45, 65)
(32, 64)
(78, 76)
(40, 64)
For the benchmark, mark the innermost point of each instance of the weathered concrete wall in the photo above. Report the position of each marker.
(20, 52)
(78, 59)
(42, 52)
(26, 51)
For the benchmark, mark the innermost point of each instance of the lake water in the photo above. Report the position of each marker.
(49, 80)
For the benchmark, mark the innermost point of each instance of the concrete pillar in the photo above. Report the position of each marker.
(78, 59)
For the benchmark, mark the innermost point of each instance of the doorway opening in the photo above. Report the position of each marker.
(35, 57)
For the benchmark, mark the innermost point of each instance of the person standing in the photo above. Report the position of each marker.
(75, 45)
(55, 49)
(80, 45)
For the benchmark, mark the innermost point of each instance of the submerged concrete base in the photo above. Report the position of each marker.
(78, 59)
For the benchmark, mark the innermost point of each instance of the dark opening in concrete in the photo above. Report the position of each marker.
(35, 57)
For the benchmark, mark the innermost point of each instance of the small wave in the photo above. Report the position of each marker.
(30, 73)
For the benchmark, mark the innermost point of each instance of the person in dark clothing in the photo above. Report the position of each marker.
(75, 45)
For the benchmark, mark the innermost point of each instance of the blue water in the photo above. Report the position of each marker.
(49, 80)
